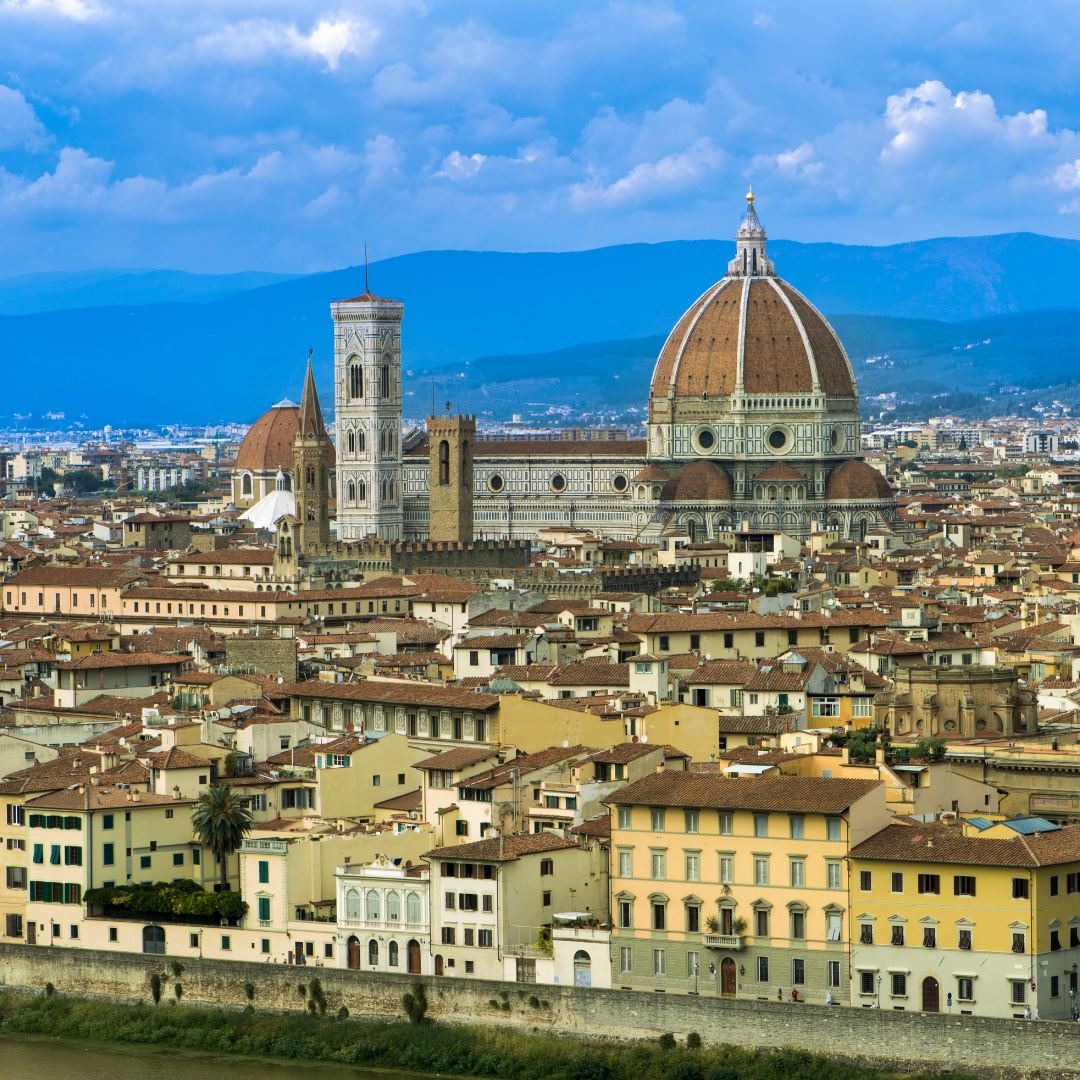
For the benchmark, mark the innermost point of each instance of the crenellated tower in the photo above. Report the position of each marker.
(450, 477)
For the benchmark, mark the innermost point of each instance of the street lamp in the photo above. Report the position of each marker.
(879, 991)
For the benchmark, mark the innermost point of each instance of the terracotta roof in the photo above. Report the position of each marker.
(395, 692)
(458, 758)
(780, 470)
(81, 576)
(269, 442)
(411, 800)
(502, 849)
(597, 826)
(523, 672)
(496, 641)
(175, 759)
(946, 844)
(810, 794)
(652, 473)
(100, 798)
(700, 481)
(229, 556)
(854, 479)
(723, 672)
(621, 753)
(633, 450)
(590, 673)
(122, 660)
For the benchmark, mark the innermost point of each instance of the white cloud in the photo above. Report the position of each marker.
(74, 10)
(19, 125)
(259, 39)
(456, 166)
(764, 20)
(383, 158)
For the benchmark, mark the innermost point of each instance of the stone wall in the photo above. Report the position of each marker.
(898, 1041)
(267, 655)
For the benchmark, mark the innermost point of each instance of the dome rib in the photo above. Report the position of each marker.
(802, 333)
(740, 377)
(703, 303)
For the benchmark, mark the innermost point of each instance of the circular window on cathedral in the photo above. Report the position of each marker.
(778, 439)
(619, 483)
(495, 482)
(837, 437)
(706, 439)
(558, 482)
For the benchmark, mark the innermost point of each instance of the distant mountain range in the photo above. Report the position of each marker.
(506, 330)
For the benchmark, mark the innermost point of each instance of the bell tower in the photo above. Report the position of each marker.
(450, 477)
(311, 460)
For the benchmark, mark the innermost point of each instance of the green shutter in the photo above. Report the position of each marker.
(54, 855)
(264, 908)
(264, 872)
(39, 853)
(107, 854)
(46, 892)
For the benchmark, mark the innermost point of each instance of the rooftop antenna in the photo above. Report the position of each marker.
(366, 289)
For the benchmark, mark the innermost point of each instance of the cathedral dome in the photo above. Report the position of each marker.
(700, 481)
(752, 333)
(854, 479)
(268, 445)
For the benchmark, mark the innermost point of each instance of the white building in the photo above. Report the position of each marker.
(1041, 442)
(384, 917)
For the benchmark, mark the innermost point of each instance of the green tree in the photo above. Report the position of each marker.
(933, 748)
(221, 821)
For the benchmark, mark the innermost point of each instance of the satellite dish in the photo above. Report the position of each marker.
(708, 656)
(280, 680)
(123, 741)
(566, 743)
(644, 738)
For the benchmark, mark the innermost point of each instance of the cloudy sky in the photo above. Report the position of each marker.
(225, 135)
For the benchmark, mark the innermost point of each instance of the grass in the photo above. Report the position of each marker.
(425, 1047)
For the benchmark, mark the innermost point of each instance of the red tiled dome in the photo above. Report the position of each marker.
(854, 479)
(700, 481)
(268, 445)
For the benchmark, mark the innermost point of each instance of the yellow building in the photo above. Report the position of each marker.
(736, 887)
(969, 916)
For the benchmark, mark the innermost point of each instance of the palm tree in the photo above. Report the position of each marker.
(221, 821)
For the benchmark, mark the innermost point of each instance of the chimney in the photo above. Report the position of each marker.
(879, 756)
(845, 756)
(128, 793)
(135, 796)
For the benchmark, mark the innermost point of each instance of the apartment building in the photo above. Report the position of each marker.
(736, 887)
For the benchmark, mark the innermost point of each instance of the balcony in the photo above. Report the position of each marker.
(581, 933)
(731, 942)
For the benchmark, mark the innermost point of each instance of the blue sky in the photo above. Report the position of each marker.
(228, 135)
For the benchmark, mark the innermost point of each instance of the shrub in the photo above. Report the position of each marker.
(721, 1074)
(178, 990)
(544, 1004)
(343, 1013)
(666, 1041)
(506, 1006)
(49, 989)
(249, 990)
(302, 990)
(494, 1003)
(318, 998)
(693, 1041)
(155, 987)
(685, 1070)
(177, 969)
(587, 1068)
(416, 1004)
(534, 1001)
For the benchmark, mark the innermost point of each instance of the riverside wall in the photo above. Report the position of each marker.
(993, 1049)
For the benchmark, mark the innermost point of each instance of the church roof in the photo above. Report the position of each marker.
(700, 481)
(310, 420)
(781, 471)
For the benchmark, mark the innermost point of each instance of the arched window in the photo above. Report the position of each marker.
(310, 474)
(392, 954)
(391, 490)
(393, 907)
(384, 377)
(363, 491)
(352, 904)
(322, 477)
(246, 484)
(384, 491)
(286, 482)
(311, 513)
(412, 907)
(373, 952)
(373, 905)
(356, 382)
(352, 492)
(444, 463)
(352, 442)
(363, 442)
(382, 442)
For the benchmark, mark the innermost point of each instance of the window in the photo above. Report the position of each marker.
(264, 908)
(963, 940)
(866, 881)
(798, 924)
(798, 971)
(866, 933)
(798, 874)
(761, 824)
(106, 854)
(626, 958)
(833, 876)
(726, 823)
(663, 643)
(1019, 943)
(546, 898)
(897, 937)
(832, 828)
(107, 821)
(929, 937)
(264, 872)
(484, 939)
(624, 817)
(761, 871)
(759, 639)
(729, 641)
(829, 706)
(691, 819)
(897, 882)
(1019, 992)
(834, 926)
(761, 923)
(626, 913)
(1072, 883)
(659, 961)
(487, 903)
(693, 918)
(763, 969)
(930, 883)
(659, 913)
(1074, 937)
(693, 867)
(144, 862)
(1053, 884)
(796, 828)
(965, 886)
(866, 982)
(964, 989)
(899, 984)
(547, 866)
(1019, 888)
(1055, 940)
(625, 861)
(226, 943)
(657, 818)
(449, 935)
(658, 866)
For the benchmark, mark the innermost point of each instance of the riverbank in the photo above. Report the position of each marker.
(415, 1047)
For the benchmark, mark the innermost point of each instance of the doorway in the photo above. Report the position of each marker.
(931, 995)
(31, 933)
(353, 946)
(438, 963)
(414, 957)
(727, 977)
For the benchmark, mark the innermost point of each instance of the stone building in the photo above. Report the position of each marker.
(450, 441)
(969, 701)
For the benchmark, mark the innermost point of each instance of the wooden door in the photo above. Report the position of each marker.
(31, 933)
(438, 965)
(727, 977)
(931, 995)
(354, 953)
(299, 952)
(414, 959)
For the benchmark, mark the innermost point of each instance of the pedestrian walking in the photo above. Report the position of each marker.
(828, 998)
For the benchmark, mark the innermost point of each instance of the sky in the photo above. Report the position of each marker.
(217, 136)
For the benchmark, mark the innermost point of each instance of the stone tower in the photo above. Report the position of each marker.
(450, 476)
(367, 397)
(311, 466)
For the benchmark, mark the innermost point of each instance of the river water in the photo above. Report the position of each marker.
(45, 1058)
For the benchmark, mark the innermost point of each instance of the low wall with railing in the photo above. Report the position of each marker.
(896, 1041)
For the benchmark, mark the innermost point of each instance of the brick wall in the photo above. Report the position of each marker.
(268, 655)
(896, 1041)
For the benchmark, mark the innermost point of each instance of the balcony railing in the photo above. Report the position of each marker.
(733, 942)
(581, 933)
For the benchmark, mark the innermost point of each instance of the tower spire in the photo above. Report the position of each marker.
(310, 423)
(367, 290)
(750, 260)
